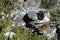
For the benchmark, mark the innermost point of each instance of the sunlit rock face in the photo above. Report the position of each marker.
(17, 15)
(33, 3)
(19, 4)
(27, 3)
(51, 31)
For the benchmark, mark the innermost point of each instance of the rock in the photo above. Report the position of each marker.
(33, 3)
(50, 33)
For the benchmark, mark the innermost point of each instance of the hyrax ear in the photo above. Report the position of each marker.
(40, 15)
(43, 27)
